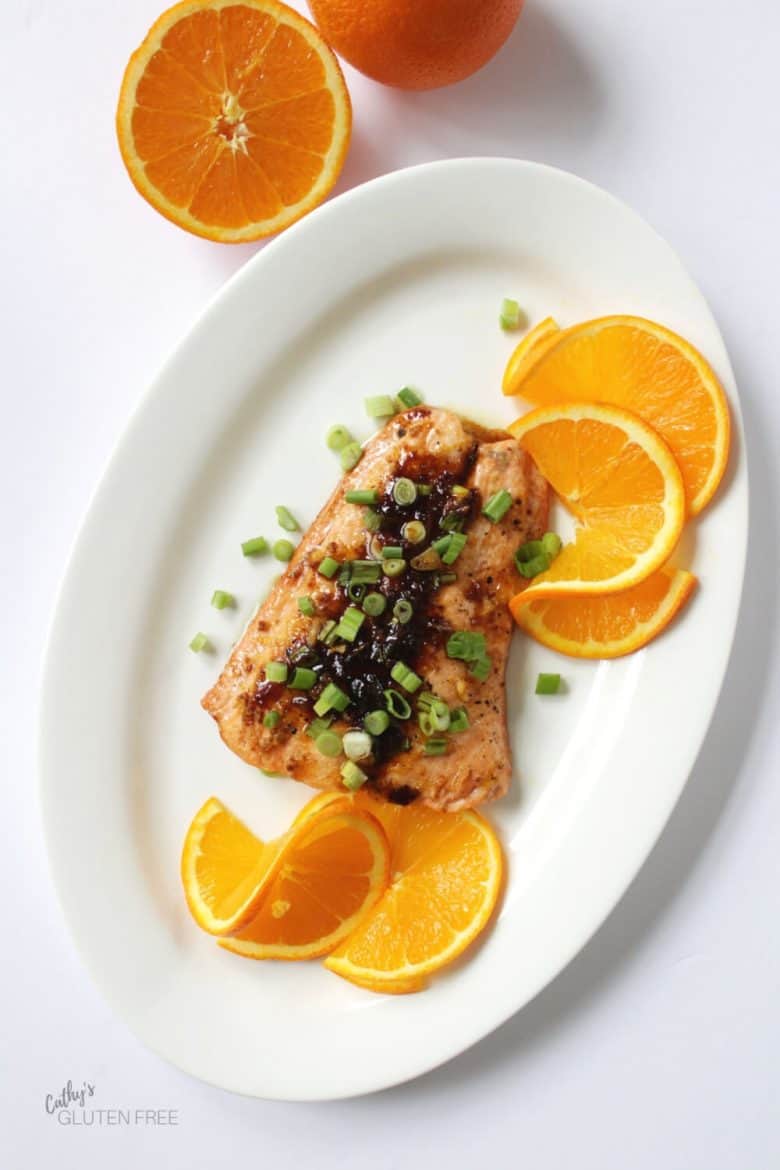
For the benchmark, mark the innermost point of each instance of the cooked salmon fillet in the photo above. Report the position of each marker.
(456, 466)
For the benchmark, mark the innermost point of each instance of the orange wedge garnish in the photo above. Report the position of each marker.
(608, 626)
(647, 369)
(233, 118)
(528, 351)
(622, 484)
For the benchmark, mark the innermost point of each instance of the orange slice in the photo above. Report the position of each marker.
(233, 118)
(446, 877)
(608, 626)
(621, 482)
(233, 881)
(332, 872)
(527, 352)
(645, 368)
(224, 868)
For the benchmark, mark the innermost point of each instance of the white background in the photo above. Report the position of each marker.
(659, 1046)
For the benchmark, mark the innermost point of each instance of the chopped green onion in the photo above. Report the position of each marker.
(403, 611)
(221, 600)
(317, 726)
(276, 672)
(372, 521)
(328, 633)
(353, 776)
(283, 550)
(552, 544)
(425, 700)
(374, 604)
(404, 491)
(338, 437)
(414, 532)
(460, 492)
(273, 775)
(509, 317)
(459, 720)
(548, 684)
(331, 699)
(328, 744)
(302, 679)
(531, 548)
(362, 496)
(254, 547)
(394, 568)
(328, 567)
(271, 719)
(452, 522)
(481, 668)
(376, 722)
(397, 704)
(497, 506)
(440, 715)
(435, 747)
(466, 645)
(424, 489)
(425, 722)
(405, 677)
(286, 519)
(351, 621)
(306, 606)
(357, 745)
(534, 566)
(382, 406)
(364, 572)
(442, 544)
(454, 548)
(200, 642)
(350, 455)
(409, 397)
(391, 552)
(356, 592)
(447, 578)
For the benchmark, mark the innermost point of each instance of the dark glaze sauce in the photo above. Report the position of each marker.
(362, 668)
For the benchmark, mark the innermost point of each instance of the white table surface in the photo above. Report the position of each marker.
(658, 1047)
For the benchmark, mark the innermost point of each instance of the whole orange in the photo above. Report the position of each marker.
(416, 44)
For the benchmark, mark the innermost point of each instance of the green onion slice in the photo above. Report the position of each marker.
(338, 437)
(534, 566)
(510, 316)
(435, 747)
(497, 506)
(414, 532)
(409, 397)
(349, 625)
(362, 496)
(394, 568)
(271, 719)
(459, 720)
(397, 704)
(350, 455)
(404, 491)
(454, 548)
(357, 745)
(276, 672)
(391, 552)
(405, 677)
(481, 668)
(353, 776)
(286, 519)
(283, 550)
(221, 600)
(548, 684)
(374, 604)
(328, 567)
(306, 606)
(376, 722)
(372, 521)
(302, 679)
(331, 699)
(328, 744)
(552, 544)
(254, 547)
(381, 406)
(200, 642)
(403, 611)
(317, 726)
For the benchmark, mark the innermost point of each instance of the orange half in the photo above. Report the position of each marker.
(233, 118)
